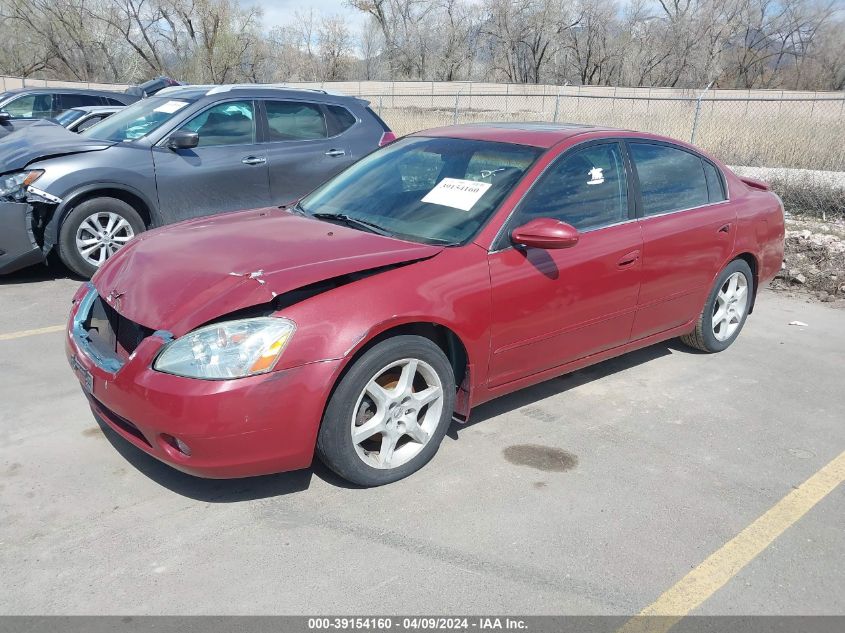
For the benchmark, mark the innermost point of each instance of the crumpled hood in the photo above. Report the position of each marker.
(179, 277)
(43, 139)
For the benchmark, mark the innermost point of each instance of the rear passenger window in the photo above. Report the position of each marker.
(671, 179)
(339, 119)
(715, 186)
(112, 102)
(294, 121)
(69, 101)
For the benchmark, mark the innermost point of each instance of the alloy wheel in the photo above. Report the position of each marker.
(730, 306)
(100, 235)
(397, 413)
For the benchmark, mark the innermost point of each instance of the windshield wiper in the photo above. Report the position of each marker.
(356, 222)
(294, 208)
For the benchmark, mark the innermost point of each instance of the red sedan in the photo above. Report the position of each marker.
(452, 267)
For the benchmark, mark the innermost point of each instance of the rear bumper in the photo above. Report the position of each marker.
(18, 248)
(234, 428)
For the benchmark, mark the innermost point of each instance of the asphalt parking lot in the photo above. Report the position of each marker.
(668, 455)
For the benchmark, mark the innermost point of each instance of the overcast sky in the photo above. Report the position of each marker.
(281, 11)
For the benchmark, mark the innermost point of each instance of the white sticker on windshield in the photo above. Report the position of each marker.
(457, 193)
(171, 106)
(596, 176)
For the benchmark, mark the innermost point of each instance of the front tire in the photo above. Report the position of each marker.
(725, 311)
(389, 413)
(94, 231)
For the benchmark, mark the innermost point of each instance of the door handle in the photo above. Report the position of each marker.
(254, 160)
(336, 152)
(628, 260)
(725, 228)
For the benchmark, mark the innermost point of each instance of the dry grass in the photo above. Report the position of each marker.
(802, 134)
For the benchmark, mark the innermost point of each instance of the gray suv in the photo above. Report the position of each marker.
(185, 152)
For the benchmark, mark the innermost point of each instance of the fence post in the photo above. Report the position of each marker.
(455, 116)
(379, 106)
(698, 112)
(557, 105)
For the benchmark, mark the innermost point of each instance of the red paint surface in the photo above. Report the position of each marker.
(522, 315)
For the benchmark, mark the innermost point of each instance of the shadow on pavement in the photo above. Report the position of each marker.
(37, 273)
(219, 490)
(562, 384)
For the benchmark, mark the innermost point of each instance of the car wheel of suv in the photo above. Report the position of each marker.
(389, 413)
(726, 309)
(94, 231)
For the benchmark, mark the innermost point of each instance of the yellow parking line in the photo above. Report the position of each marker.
(23, 333)
(726, 562)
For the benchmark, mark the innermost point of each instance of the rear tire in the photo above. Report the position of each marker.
(389, 413)
(725, 311)
(94, 231)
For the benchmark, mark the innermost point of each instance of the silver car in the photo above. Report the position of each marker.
(187, 151)
(76, 119)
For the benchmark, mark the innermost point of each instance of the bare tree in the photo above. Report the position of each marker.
(684, 43)
(335, 44)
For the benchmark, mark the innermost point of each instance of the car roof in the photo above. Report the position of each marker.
(252, 90)
(82, 91)
(537, 134)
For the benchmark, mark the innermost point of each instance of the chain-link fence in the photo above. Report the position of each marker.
(760, 131)
(757, 128)
(786, 132)
(794, 141)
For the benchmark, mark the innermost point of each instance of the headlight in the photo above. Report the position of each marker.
(13, 186)
(232, 349)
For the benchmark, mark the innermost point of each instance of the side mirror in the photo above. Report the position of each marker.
(545, 233)
(4, 116)
(183, 139)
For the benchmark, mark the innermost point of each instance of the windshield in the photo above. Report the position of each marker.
(137, 120)
(68, 116)
(436, 190)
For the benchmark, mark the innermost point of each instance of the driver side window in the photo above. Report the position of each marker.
(230, 123)
(587, 188)
(35, 106)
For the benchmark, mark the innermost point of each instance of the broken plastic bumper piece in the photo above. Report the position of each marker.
(18, 247)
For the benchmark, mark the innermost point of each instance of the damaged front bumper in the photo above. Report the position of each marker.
(22, 229)
(18, 245)
(227, 428)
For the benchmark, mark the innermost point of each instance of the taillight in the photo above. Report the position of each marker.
(386, 138)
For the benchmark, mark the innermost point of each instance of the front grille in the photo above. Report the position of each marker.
(111, 333)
